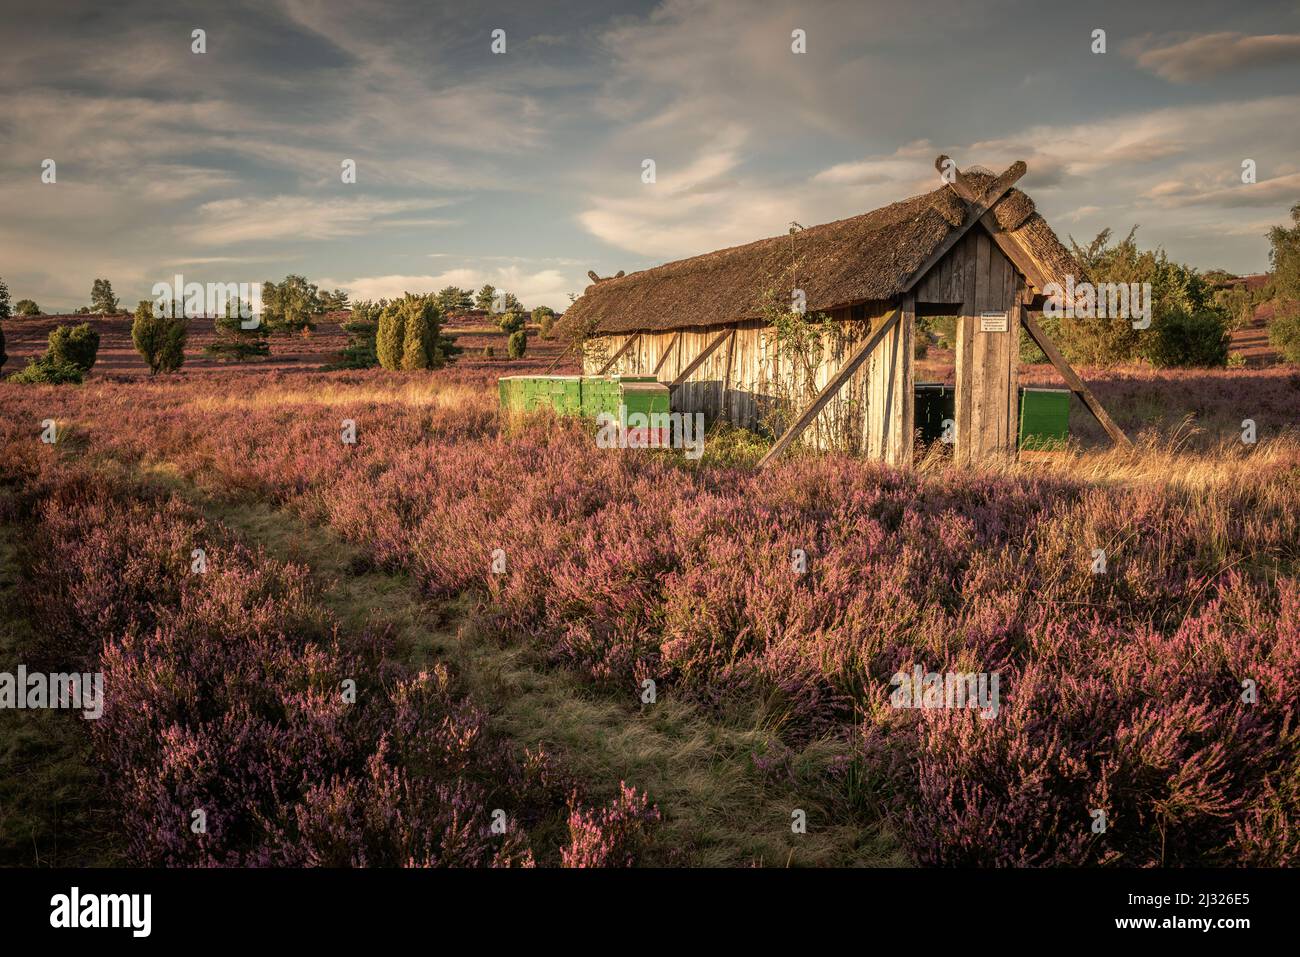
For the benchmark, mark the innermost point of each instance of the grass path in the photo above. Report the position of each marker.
(50, 814)
(718, 809)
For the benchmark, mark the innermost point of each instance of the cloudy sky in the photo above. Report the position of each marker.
(524, 169)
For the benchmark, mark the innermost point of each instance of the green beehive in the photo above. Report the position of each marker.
(1044, 418)
(935, 402)
(644, 397)
(523, 393)
(604, 393)
(585, 395)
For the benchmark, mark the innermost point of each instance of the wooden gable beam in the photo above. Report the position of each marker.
(698, 361)
(1008, 243)
(975, 212)
(667, 352)
(1077, 385)
(855, 359)
(627, 344)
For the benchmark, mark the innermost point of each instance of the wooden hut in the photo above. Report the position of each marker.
(974, 248)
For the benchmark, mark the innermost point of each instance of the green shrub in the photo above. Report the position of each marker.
(48, 371)
(511, 322)
(158, 339)
(489, 352)
(410, 336)
(1284, 334)
(420, 344)
(390, 335)
(78, 345)
(1190, 339)
(544, 316)
(518, 344)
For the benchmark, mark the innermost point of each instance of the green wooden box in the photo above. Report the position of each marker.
(1044, 418)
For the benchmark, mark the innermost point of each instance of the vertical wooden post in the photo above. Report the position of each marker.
(726, 375)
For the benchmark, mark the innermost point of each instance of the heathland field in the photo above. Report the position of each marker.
(462, 640)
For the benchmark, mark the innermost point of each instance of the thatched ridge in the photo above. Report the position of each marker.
(871, 257)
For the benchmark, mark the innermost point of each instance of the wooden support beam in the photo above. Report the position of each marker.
(726, 375)
(627, 344)
(556, 361)
(698, 361)
(667, 352)
(855, 359)
(1077, 385)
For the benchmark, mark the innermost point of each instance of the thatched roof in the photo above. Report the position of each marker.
(865, 258)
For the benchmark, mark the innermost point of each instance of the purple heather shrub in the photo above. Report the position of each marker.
(611, 836)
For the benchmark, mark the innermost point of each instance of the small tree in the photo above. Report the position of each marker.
(544, 316)
(290, 305)
(233, 342)
(333, 301)
(362, 329)
(102, 299)
(410, 335)
(420, 335)
(75, 345)
(68, 357)
(25, 307)
(1284, 333)
(517, 344)
(6, 310)
(1285, 256)
(160, 340)
(453, 299)
(485, 296)
(390, 335)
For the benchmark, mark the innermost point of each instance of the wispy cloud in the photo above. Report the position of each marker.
(228, 221)
(1208, 55)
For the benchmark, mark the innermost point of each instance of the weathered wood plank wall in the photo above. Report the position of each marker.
(744, 378)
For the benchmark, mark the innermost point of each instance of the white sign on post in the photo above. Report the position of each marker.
(993, 322)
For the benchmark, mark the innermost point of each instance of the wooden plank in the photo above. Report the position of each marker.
(618, 355)
(1072, 379)
(699, 359)
(827, 392)
(666, 353)
(726, 375)
(904, 432)
(978, 418)
(961, 404)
